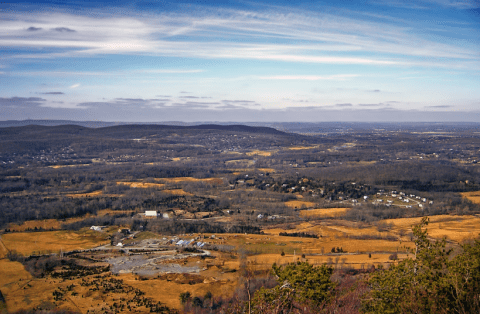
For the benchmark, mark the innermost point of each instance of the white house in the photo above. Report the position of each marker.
(150, 213)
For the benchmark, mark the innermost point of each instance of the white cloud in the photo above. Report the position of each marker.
(339, 77)
(323, 38)
(74, 86)
(107, 73)
(168, 71)
(423, 4)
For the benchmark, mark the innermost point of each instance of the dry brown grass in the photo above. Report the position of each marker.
(259, 153)
(144, 185)
(32, 224)
(216, 278)
(28, 243)
(299, 204)
(22, 291)
(246, 162)
(178, 192)
(323, 212)
(190, 179)
(318, 251)
(474, 197)
(266, 169)
(91, 194)
(238, 171)
(265, 261)
(168, 292)
(13, 278)
(27, 294)
(64, 166)
(107, 212)
(455, 228)
(3, 250)
(55, 224)
(11, 272)
(302, 147)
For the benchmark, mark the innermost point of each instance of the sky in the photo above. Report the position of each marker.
(240, 61)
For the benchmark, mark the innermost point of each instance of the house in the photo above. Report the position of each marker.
(96, 228)
(165, 216)
(150, 213)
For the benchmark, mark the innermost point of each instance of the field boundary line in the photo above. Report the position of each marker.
(4, 246)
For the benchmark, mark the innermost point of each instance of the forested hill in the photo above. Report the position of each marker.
(34, 138)
(128, 130)
(146, 130)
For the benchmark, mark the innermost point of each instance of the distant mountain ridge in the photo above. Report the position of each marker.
(127, 131)
(34, 138)
(312, 128)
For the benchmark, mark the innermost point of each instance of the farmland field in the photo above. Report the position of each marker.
(28, 243)
(229, 205)
(323, 212)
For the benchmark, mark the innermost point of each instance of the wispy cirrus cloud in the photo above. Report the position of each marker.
(430, 4)
(194, 105)
(438, 107)
(107, 73)
(189, 97)
(375, 105)
(239, 102)
(322, 37)
(337, 77)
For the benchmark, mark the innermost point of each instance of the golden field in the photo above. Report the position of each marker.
(28, 243)
(299, 204)
(302, 147)
(91, 194)
(64, 166)
(323, 212)
(474, 197)
(190, 179)
(22, 291)
(144, 185)
(238, 171)
(363, 245)
(259, 153)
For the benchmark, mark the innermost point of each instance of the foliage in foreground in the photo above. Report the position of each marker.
(434, 281)
(294, 288)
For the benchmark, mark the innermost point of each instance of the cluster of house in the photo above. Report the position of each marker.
(185, 243)
(190, 242)
(403, 197)
(272, 217)
(97, 228)
(154, 214)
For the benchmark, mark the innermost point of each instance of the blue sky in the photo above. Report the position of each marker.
(240, 61)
